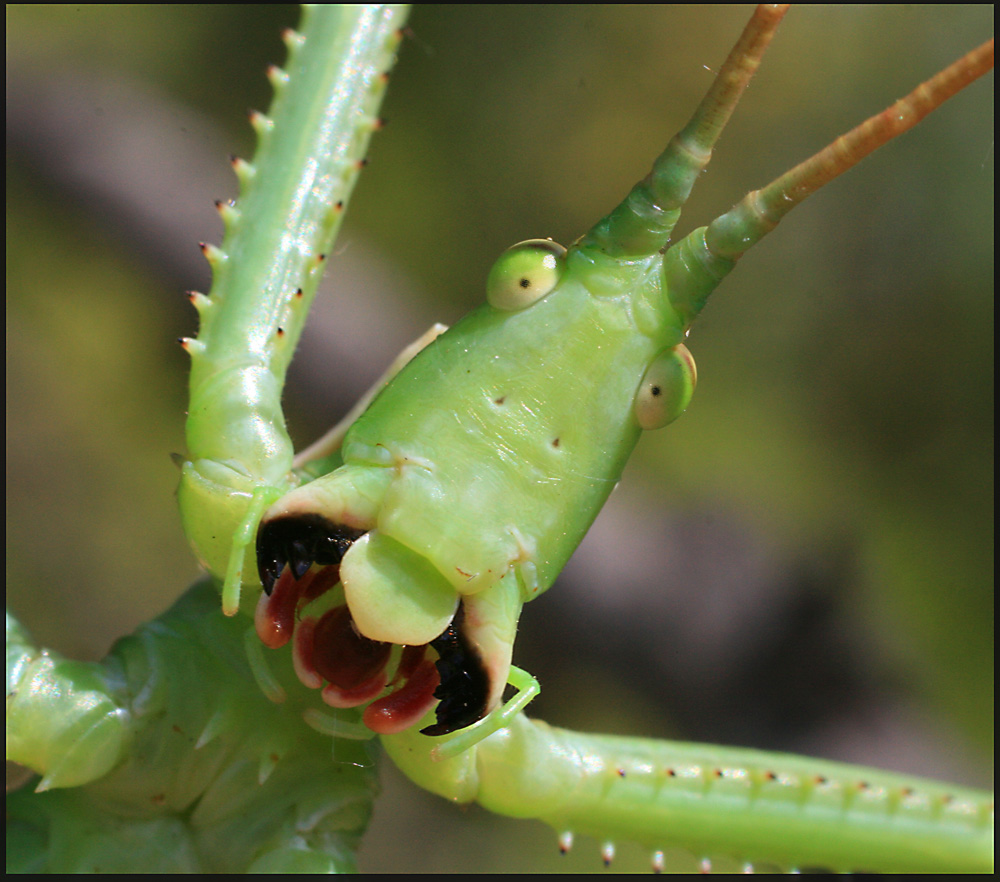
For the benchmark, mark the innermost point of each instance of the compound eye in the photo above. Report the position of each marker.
(524, 274)
(666, 389)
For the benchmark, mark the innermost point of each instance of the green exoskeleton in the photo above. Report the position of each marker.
(460, 493)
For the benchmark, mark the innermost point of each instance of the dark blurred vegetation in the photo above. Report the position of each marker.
(836, 466)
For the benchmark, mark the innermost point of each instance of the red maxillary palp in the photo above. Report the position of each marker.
(275, 615)
(274, 618)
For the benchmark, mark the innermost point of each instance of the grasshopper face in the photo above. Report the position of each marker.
(467, 484)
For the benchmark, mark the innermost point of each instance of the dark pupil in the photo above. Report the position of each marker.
(656, 390)
(525, 282)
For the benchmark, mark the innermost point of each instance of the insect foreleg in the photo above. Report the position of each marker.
(265, 274)
(753, 806)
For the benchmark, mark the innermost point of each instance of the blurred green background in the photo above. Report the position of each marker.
(845, 410)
